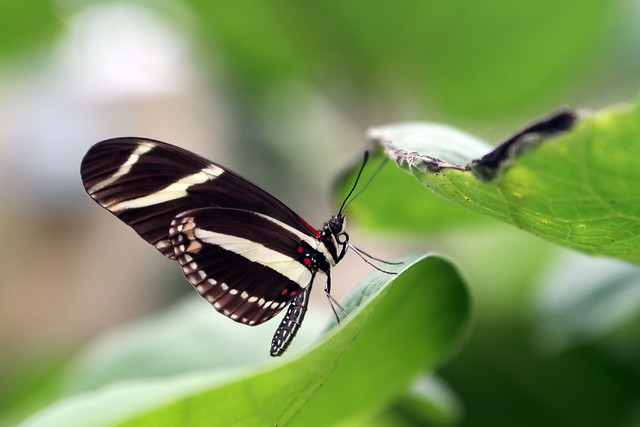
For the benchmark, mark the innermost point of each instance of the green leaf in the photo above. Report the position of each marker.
(185, 338)
(428, 402)
(579, 189)
(585, 299)
(399, 327)
(432, 401)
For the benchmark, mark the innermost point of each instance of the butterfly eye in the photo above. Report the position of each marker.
(343, 238)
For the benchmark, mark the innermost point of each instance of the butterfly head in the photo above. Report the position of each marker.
(336, 227)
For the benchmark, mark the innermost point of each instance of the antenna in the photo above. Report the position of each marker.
(364, 162)
(362, 254)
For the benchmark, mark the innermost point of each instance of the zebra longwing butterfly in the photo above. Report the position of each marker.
(242, 249)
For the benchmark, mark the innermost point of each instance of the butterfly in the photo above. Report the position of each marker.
(242, 249)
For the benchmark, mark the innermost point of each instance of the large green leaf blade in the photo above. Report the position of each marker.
(579, 189)
(399, 326)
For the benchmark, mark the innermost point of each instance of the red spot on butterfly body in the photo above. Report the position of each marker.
(293, 294)
(307, 262)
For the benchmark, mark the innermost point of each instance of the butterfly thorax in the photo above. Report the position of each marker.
(334, 238)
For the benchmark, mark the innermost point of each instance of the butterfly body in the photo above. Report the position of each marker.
(243, 250)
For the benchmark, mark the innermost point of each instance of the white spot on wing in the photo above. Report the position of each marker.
(162, 244)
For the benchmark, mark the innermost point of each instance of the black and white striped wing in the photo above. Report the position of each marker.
(147, 183)
(247, 265)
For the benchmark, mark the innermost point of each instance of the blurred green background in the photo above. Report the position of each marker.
(283, 92)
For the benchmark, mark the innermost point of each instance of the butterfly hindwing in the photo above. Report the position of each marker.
(247, 265)
(147, 183)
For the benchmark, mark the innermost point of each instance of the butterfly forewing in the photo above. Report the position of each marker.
(245, 264)
(146, 183)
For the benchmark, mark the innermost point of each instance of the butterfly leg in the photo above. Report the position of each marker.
(291, 322)
(332, 301)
